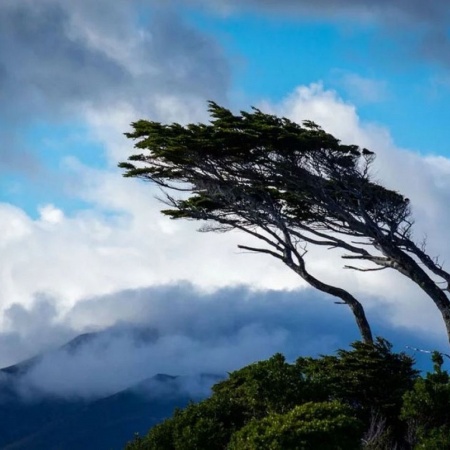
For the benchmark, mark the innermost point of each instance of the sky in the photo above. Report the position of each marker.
(83, 249)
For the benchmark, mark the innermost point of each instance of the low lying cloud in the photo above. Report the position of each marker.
(179, 331)
(175, 330)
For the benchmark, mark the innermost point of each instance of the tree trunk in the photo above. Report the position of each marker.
(407, 266)
(356, 307)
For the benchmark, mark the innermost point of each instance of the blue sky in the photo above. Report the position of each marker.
(74, 74)
(386, 75)
(272, 54)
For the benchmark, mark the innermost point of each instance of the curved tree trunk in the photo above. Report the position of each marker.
(356, 307)
(407, 266)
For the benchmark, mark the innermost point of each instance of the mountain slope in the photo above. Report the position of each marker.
(103, 424)
(49, 422)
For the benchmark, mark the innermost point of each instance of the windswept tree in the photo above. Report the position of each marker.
(288, 186)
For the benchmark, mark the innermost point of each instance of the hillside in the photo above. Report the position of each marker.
(49, 422)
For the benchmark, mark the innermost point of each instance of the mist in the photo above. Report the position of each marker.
(125, 339)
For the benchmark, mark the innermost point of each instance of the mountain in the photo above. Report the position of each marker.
(54, 423)
(102, 424)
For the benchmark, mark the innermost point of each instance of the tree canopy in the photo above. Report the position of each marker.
(289, 186)
(365, 397)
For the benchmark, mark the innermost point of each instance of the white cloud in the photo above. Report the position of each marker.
(422, 179)
(14, 224)
(122, 241)
(362, 89)
(50, 214)
(174, 329)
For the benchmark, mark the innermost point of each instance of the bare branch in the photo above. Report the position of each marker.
(360, 269)
(261, 250)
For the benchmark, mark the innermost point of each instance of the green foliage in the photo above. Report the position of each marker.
(326, 402)
(370, 378)
(311, 426)
(205, 425)
(256, 156)
(161, 437)
(271, 386)
(202, 426)
(426, 408)
(288, 184)
(136, 444)
(434, 439)
(266, 387)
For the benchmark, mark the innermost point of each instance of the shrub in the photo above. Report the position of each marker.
(312, 426)
(426, 408)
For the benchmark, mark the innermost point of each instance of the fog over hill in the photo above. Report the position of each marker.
(160, 347)
(175, 330)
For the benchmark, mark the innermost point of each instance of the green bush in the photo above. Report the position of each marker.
(312, 426)
(435, 439)
(265, 387)
(160, 437)
(319, 403)
(426, 408)
(271, 386)
(205, 425)
(370, 378)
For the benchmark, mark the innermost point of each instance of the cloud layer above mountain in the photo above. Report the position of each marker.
(177, 330)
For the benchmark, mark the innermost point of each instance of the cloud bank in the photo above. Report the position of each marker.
(178, 330)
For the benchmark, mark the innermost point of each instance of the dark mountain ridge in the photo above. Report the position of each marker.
(50, 422)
